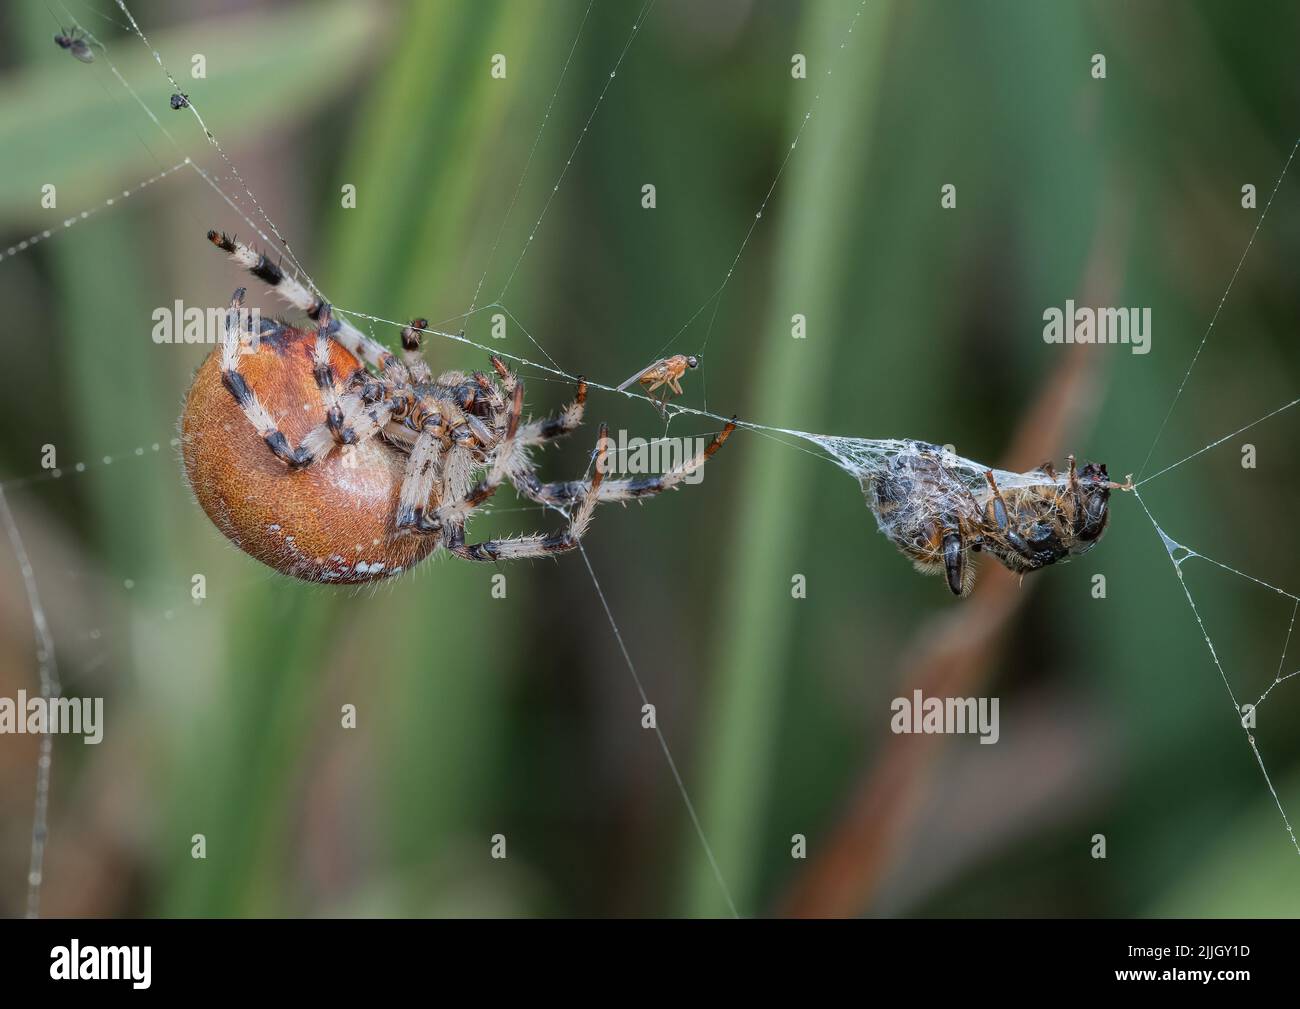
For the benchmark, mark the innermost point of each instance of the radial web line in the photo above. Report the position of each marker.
(1219, 441)
(528, 162)
(642, 14)
(716, 296)
(1219, 308)
(1172, 547)
(663, 743)
(163, 172)
(1281, 662)
(217, 146)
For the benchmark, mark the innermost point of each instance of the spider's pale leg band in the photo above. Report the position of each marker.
(357, 342)
(365, 424)
(564, 492)
(326, 381)
(539, 545)
(257, 414)
(422, 472)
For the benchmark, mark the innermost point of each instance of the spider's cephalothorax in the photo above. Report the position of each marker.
(931, 512)
(323, 455)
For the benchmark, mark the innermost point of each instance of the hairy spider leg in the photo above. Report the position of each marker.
(317, 442)
(492, 394)
(454, 514)
(231, 344)
(539, 544)
(358, 343)
(564, 492)
(423, 471)
(565, 422)
(508, 377)
(326, 381)
(425, 467)
(411, 353)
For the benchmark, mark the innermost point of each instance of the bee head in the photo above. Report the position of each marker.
(1093, 506)
(692, 362)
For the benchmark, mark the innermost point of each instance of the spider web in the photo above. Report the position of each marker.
(861, 458)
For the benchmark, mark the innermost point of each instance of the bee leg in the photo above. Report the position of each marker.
(1022, 548)
(676, 387)
(954, 563)
(1076, 492)
(996, 513)
(996, 506)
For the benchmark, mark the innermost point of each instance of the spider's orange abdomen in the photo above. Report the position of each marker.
(330, 522)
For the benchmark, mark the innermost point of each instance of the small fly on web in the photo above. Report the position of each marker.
(665, 373)
(74, 41)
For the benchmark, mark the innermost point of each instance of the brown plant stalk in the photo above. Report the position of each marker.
(953, 653)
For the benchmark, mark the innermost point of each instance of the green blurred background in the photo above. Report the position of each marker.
(518, 716)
